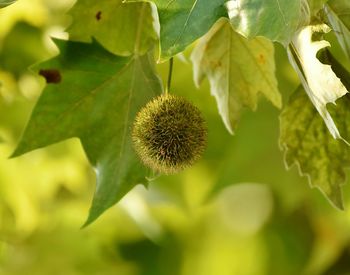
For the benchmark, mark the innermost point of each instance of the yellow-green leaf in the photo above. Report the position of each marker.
(238, 70)
(122, 28)
(277, 20)
(308, 144)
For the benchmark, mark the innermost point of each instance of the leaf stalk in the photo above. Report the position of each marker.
(170, 73)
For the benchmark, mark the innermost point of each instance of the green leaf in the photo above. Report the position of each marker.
(183, 21)
(94, 96)
(319, 80)
(277, 20)
(338, 14)
(307, 143)
(5, 3)
(238, 70)
(122, 28)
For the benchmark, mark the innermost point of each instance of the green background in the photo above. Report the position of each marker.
(238, 211)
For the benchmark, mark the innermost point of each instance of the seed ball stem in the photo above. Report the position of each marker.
(169, 134)
(170, 73)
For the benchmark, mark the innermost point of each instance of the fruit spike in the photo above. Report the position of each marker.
(169, 134)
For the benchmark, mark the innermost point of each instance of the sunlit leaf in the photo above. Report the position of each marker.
(122, 28)
(183, 21)
(319, 81)
(277, 20)
(238, 70)
(94, 96)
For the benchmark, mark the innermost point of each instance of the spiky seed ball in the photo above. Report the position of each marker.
(169, 134)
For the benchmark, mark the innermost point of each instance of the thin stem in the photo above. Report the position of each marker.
(167, 88)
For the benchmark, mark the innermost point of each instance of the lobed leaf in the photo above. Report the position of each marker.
(184, 21)
(307, 142)
(238, 70)
(94, 96)
(122, 28)
(277, 20)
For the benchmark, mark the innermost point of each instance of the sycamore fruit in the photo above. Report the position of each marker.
(169, 134)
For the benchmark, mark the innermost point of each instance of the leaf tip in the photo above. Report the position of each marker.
(228, 126)
(335, 197)
(345, 141)
(86, 223)
(94, 213)
(230, 131)
(17, 152)
(278, 102)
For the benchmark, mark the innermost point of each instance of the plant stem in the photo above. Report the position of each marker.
(167, 88)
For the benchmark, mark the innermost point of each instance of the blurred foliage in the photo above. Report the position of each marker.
(263, 219)
(14, 56)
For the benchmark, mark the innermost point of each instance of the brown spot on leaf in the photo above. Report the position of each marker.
(98, 15)
(51, 75)
(215, 64)
(261, 59)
